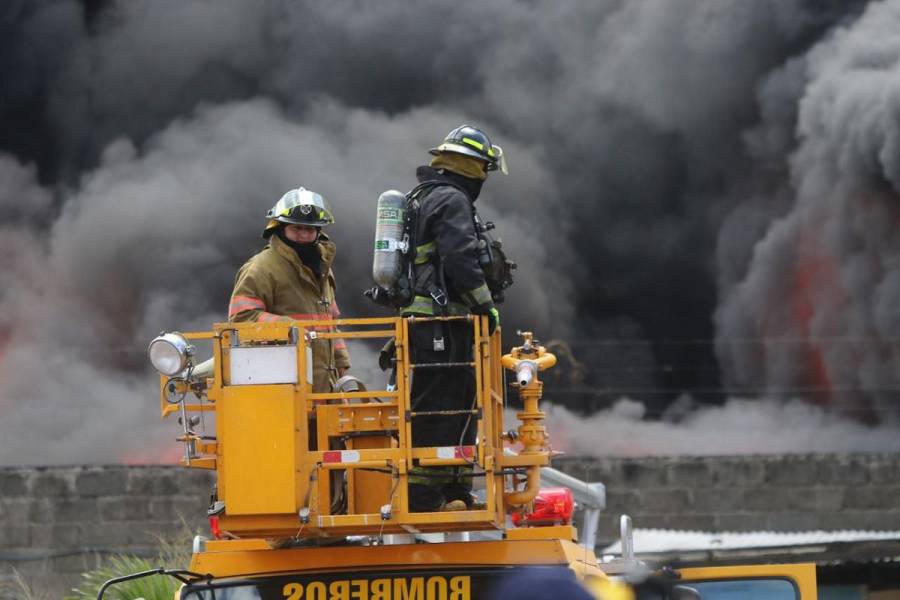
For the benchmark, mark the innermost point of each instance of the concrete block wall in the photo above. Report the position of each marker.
(57, 522)
(747, 493)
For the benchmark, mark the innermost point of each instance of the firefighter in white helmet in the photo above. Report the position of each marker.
(291, 279)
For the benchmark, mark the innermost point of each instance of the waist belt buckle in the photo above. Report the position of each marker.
(438, 341)
(439, 297)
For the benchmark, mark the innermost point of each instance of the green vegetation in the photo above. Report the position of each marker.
(173, 553)
(155, 587)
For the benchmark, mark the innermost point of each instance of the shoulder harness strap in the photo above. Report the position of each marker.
(437, 289)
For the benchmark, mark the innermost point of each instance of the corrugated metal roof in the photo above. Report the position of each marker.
(659, 541)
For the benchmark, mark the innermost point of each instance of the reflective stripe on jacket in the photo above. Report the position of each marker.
(275, 285)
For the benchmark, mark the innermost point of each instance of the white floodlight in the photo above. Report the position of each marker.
(169, 353)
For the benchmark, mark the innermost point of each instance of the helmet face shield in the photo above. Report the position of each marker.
(500, 163)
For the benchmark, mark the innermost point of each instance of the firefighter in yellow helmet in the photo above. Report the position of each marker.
(291, 279)
(450, 279)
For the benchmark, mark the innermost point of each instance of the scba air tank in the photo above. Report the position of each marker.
(390, 243)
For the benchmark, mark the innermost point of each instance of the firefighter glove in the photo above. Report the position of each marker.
(493, 320)
(490, 311)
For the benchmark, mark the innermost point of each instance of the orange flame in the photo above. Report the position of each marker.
(815, 276)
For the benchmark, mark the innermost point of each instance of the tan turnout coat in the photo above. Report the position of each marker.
(275, 285)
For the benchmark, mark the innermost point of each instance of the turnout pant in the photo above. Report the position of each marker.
(441, 389)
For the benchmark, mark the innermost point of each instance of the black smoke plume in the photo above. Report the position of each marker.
(681, 173)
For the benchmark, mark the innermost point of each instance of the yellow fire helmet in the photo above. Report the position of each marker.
(299, 207)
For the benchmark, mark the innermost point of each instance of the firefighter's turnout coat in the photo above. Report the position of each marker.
(275, 285)
(446, 241)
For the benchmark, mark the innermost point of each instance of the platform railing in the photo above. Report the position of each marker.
(263, 431)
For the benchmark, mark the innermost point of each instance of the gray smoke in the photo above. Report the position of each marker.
(740, 426)
(652, 145)
(151, 239)
(816, 303)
